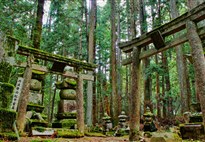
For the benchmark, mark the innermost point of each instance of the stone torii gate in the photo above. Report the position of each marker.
(58, 64)
(157, 37)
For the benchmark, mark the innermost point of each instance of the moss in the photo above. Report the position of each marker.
(57, 58)
(71, 81)
(6, 90)
(38, 123)
(8, 136)
(68, 123)
(66, 133)
(39, 75)
(39, 128)
(35, 107)
(93, 134)
(7, 118)
(5, 71)
(66, 115)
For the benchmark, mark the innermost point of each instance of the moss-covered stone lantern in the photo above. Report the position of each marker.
(148, 118)
(107, 124)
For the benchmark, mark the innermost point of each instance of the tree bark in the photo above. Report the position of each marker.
(23, 101)
(181, 68)
(134, 122)
(113, 64)
(198, 62)
(91, 57)
(38, 27)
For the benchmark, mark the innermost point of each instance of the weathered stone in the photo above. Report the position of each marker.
(157, 139)
(68, 94)
(35, 97)
(67, 106)
(35, 85)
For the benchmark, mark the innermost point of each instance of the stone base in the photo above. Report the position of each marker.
(10, 136)
(191, 131)
(65, 123)
(40, 131)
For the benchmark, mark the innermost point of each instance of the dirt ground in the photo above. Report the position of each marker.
(84, 139)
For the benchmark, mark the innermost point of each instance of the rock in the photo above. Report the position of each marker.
(157, 139)
(165, 137)
(35, 85)
(68, 94)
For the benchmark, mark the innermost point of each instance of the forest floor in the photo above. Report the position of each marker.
(86, 139)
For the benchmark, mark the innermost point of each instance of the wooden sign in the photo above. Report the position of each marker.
(17, 92)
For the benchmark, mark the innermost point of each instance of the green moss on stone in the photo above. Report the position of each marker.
(68, 123)
(66, 115)
(5, 71)
(7, 118)
(6, 90)
(8, 136)
(39, 128)
(38, 123)
(66, 133)
(35, 107)
(93, 134)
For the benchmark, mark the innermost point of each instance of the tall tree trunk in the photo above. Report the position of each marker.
(158, 98)
(132, 32)
(119, 77)
(163, 90)
(38, 27)
(91, 57)
(198, 59)
(147, 80)
(134, 122)
(23, 101)
(181, 68)
(113, 64)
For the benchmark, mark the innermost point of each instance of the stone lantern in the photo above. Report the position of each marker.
(122, 120)
(107, 124)
(149, 124)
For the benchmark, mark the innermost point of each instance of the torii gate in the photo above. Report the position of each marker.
(58, 64)
(157, 37)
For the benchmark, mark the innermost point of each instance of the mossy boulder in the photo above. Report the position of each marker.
(35, 85)
(68, 94)
(7, 118)
(5, 71)
(6, 91)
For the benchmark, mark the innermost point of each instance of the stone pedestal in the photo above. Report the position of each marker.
(35, 107)
(193, 129)
(66, 115)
